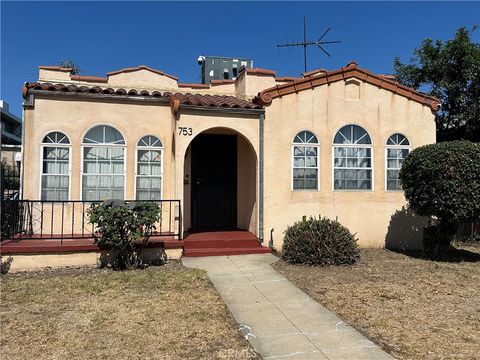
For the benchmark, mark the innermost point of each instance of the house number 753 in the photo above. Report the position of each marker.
(185, 131)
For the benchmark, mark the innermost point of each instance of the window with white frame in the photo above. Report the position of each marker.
(149, 169)
(103, 171)
(305, 161)
(352, 159)
(55, 179)
(397, 149)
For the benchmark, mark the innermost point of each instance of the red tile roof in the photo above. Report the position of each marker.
(183, 99)
(350, 71)
(213, 101)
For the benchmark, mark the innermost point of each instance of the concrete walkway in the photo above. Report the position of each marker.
(277, 318)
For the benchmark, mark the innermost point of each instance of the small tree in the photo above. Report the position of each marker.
(450, 71)
(124, 229)
(442, 181)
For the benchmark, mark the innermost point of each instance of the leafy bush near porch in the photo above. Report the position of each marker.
(319, 242)
(124, 229)
(442, 181)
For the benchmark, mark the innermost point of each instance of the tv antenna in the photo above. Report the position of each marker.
(306, 43)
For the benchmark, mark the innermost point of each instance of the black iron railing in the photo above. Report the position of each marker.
(37, 219)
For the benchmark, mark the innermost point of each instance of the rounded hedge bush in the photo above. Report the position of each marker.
(319, 242)
(443, 180)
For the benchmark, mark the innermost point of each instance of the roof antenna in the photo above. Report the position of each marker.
(306, 43)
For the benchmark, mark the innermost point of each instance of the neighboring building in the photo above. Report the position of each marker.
(257, 153)
(11, 135)
(221, 68)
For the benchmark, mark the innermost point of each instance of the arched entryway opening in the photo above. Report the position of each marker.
(220, 182)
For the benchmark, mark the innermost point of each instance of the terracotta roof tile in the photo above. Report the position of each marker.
(352, 70)
(214, 101)
(184, 99)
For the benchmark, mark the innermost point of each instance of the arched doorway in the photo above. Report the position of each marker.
(220, 187)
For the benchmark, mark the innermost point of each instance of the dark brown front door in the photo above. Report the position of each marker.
(214, 182)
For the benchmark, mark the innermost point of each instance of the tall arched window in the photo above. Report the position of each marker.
(103, 173)
(55, 167)
(149, 169)
(305, 161)
(397, 149)
(352, 159)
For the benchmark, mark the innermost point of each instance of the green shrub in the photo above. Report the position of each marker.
(124, 229)
(442, 181)
(319, 242)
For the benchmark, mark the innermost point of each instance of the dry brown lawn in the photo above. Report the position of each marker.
(411, 307)
(167, 312)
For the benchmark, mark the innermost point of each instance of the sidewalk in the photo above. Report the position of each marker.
(277, 318)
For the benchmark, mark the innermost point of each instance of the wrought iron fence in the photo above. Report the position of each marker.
(9, 182)
(35, 219)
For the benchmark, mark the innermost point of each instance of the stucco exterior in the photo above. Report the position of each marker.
(322, 110)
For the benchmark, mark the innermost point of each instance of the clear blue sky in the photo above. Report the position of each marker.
(106, 36)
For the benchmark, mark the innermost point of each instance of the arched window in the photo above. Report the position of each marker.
(352, 159)
(397, 149)
(103, 172)
(305, 161)
(149, 169)
(55, 167)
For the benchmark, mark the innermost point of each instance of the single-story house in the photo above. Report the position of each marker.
(255, 153)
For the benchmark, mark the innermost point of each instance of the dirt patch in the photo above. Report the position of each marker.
(167, 312)
(413, 308)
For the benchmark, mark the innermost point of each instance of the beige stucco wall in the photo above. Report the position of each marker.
(35, 262)
(324, 110)
(75, 117)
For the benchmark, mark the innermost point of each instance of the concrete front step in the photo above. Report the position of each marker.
(225, 251)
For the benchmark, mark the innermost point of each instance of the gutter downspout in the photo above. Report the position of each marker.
(261, 120)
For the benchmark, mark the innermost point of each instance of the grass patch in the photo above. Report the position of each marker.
(413, 308)
(167, 312)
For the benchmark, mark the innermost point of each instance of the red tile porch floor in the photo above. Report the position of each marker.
(213, 243)
(218, 243)
(72, 245)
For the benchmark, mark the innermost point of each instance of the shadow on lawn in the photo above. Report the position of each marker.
(405, 233)
(452, 255)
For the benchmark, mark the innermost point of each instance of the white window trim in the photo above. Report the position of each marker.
(292, 156)
(398, 147)
(136, 164)
(125, 154)
(69, 146)
(372, 162)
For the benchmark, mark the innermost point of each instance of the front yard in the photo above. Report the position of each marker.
(412, 308)
(167, 312)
